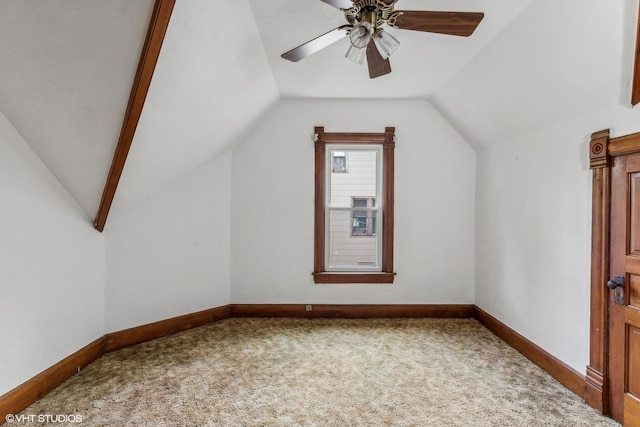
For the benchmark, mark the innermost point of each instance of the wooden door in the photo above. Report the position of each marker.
(624, 293)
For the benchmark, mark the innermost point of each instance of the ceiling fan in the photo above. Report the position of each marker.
(365, 20)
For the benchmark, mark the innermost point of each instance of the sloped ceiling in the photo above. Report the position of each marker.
(557, 60)
(67, 67)
(211, 82)
(420, 66)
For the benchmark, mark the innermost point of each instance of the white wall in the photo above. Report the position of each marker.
(533, 231)
(52, 267)
(272, 206)
(170, 256)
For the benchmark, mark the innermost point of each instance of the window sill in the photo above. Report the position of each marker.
(355, 277)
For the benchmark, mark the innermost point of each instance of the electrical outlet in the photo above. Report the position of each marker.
(308, 307)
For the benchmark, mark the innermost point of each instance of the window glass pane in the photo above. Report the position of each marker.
(345, 250)
(360, 180)
(338, 161)
(351, 235)
(359, 223)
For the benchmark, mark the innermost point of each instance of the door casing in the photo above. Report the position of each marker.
(601, 150)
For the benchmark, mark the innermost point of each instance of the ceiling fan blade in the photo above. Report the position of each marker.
(339, 4)
(312, 46)
(452, 23)
(377, 65)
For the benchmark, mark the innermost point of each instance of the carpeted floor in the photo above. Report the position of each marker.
(319, 372)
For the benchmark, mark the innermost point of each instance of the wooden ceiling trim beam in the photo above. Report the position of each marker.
(635, 92)
(146, 66)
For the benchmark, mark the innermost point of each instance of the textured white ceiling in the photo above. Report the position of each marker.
(66, 69)
(420, 66)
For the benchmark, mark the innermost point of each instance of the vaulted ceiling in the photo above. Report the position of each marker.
(67, 67)
(423, 63)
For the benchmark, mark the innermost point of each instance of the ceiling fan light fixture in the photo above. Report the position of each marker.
(386, 43)
(356, 54)
(360, 34)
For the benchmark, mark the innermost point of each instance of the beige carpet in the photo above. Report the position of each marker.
(320, 372)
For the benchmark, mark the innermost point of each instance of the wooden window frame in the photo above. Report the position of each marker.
(386, 139)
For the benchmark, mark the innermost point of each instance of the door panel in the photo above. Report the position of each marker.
(634, 218)
(633, 367)
(631, 411)
(624, 326)
(634, 291)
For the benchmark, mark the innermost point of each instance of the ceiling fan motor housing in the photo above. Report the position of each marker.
(377, 12)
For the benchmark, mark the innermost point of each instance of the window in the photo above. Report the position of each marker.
(339, 162)
(364, 219)
(354, 207)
